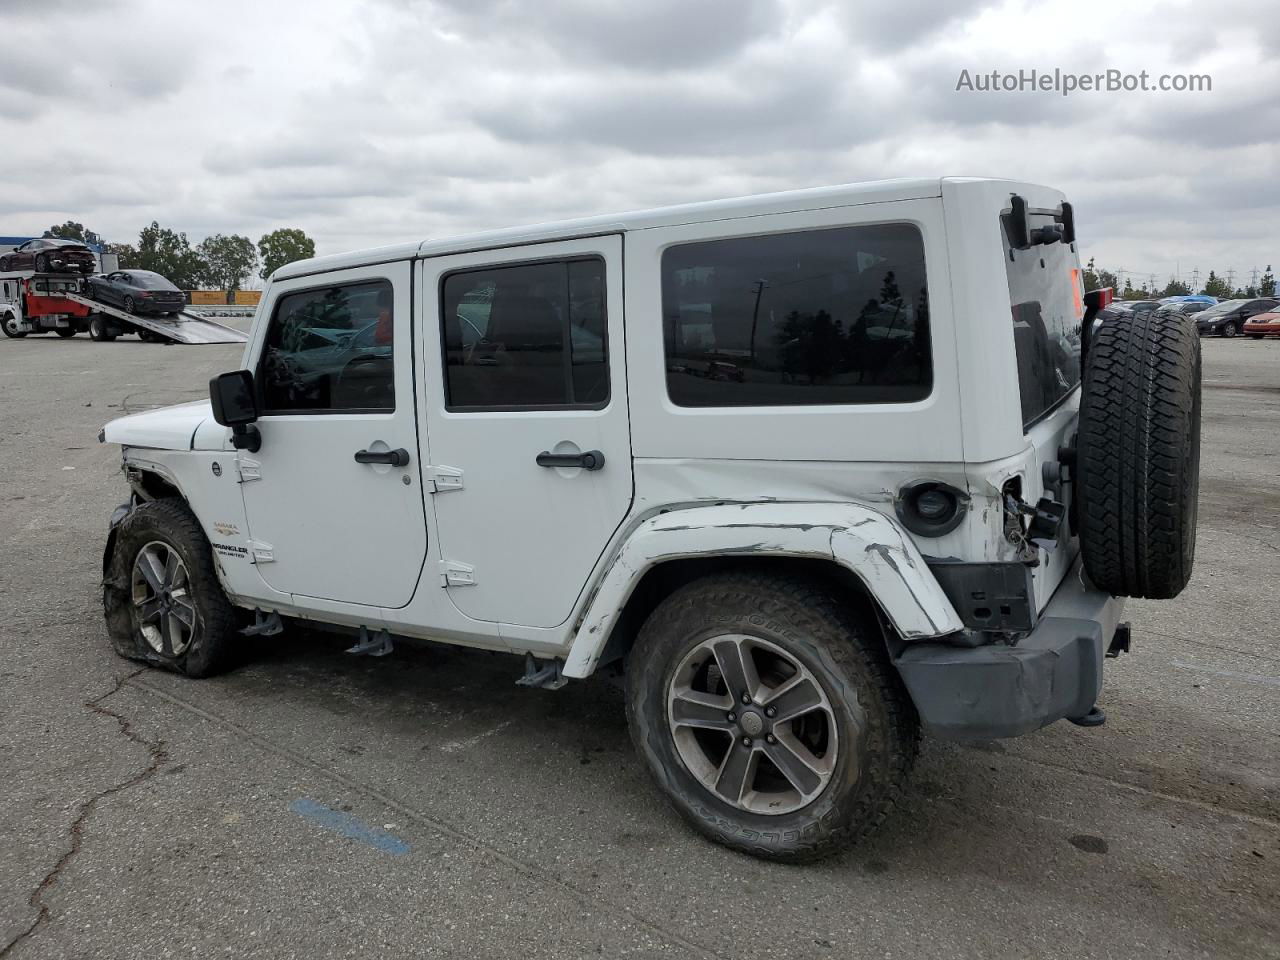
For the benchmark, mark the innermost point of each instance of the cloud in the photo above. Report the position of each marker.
(371, 122)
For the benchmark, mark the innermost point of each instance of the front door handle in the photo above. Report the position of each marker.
(588, 460)
(396, 458)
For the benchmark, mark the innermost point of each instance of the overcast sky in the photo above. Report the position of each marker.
(371, 121)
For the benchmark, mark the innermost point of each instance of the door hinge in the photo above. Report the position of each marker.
(455, 574)
(260, 552)
(248, 469)
(442, 478)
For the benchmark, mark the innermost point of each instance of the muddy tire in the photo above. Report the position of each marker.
(848, 757)
(1138, 450)
(163, 602)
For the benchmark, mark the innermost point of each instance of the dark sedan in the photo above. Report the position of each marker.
(1228, 318)
(50, 255)
(136, 291)
(1183, 308)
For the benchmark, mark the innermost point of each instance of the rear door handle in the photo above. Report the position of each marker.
(587, 460)
(396, 458)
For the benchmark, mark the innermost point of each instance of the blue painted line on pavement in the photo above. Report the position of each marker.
(348, 826)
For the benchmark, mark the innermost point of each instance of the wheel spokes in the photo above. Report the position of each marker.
(794, 761)
(692, 708)
(736, 666)
(795, 698)
(737, 772)
(152, 569)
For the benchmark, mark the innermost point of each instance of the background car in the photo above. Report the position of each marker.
(49, 255)
(136, 291)
(1228, 318)
(1263, 325)
(1183, 308)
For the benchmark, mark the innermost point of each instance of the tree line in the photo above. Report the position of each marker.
(220, 262)
(1096, 277)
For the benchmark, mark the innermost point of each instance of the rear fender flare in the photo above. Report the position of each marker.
(855, 536)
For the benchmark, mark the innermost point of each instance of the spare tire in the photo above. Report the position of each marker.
(1138, 456)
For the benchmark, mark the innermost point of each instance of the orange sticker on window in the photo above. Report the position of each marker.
(1076, 291)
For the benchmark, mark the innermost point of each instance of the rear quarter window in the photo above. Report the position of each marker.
(831, 316)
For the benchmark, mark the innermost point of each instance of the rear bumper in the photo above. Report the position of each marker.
(982, 693)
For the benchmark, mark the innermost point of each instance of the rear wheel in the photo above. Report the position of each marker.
(98, 330)
(42, 264)
(769, 715)
(1138, 457)
(163, 602)
(129, 305)
(9, 323)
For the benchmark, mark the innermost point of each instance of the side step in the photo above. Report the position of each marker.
(375, 645)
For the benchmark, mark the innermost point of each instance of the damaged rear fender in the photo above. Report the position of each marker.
(856, 537)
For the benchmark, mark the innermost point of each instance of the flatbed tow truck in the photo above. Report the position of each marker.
(33, 302)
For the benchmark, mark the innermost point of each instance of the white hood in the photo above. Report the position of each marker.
(168, 428)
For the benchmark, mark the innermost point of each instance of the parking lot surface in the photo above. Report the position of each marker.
(313, 804)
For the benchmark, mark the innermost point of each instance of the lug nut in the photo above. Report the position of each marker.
(746, 742)
(732, 717)
(746, 698)
(770, 739)
(771, 711)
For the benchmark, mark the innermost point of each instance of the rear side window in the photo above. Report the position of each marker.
(531, 335)
(330, 349)
(1047, 297)
(814, 317)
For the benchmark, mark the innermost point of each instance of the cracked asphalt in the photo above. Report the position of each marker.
(310, 804)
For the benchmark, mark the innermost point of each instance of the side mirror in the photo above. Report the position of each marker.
(235, 405)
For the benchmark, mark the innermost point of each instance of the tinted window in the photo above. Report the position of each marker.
(330, 349)
(817, 317)
(532, 335)
(151, 281)
(1048, 307)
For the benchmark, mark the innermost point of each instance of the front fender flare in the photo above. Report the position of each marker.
(852, 535)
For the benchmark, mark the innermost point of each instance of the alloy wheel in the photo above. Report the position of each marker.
(160, 591)
(752, 724)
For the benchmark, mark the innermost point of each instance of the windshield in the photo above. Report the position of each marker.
(1047, 298)
(1226, 306)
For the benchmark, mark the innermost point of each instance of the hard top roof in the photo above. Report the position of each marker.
(875, 191)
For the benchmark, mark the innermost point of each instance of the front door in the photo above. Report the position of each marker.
(334, 496)
(526, 396)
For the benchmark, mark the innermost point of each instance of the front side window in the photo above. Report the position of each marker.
(526, 335)
(826, 316)
(330, 348)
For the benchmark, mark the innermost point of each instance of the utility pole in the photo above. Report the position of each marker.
(1231, 283)
(1253, 278)
(1152, 280)
(1195, 280)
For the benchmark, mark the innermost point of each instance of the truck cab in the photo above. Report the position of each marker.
(810, 471)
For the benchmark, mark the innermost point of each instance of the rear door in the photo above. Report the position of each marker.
(335, 380)
(526, 401)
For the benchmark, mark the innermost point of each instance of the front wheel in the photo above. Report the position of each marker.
(1229, 329)
(769, 714)
(163, 602)
(11, 328)
(66, 333)
(1255, 336)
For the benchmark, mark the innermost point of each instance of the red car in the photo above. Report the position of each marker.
(50, 255)
(1263, 325)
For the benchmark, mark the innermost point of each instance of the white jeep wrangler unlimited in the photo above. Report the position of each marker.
(810, 471)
